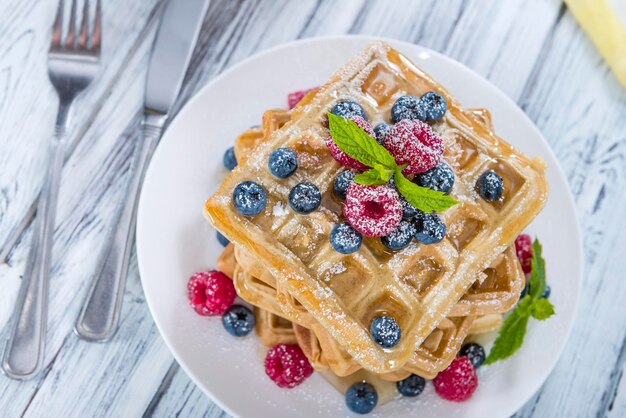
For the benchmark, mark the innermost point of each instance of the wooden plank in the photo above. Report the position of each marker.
(29, 102)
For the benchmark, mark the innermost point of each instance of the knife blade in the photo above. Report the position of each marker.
(173, 46)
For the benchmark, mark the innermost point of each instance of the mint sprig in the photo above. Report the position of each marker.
(513, 330)
(355, 142)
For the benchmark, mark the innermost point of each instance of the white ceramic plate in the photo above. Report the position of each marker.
(174, 240)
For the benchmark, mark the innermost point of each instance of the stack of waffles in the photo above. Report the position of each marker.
(306, 292)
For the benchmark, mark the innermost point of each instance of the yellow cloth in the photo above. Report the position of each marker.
(599, 19)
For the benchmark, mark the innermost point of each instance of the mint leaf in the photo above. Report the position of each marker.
(424, 199)
(542, 309)
(355, 142)
(512, 332)
(370, 177)
(537, 272)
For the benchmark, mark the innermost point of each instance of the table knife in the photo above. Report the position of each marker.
(173, 46)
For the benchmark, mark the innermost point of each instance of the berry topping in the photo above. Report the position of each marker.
(305, 197)
(238, 320)
(408, 210)
(210, 292)
(385, 331)
(434, 105)
(222, 239)
(407, 108)
(546, 293)
(429, 228)
(249, 198)
(490, 186)
(345, 239)
(374, 211)
(524, 249)
(399, 237)
(474, 352)
(439, 178)
(458, 382)
(524, 291)
(380, 132)
(411, 386)
(343, 158)
(287, 366)
(294, 97)
(348, 109)
(414, 143)
(282, 162)
(361, 398)
(363, 124)
(341, 183)
(230, 161)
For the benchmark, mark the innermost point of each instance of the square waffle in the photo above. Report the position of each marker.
(433, 355)
(345, 292)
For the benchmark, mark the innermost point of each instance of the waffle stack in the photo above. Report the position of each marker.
(283, 262)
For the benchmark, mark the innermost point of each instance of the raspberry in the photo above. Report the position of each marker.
(343, 158)
(413, 142)
(287, 366)
(210, 292)
(374, 211)
(294, 97)
(457, 382)
(524, 249)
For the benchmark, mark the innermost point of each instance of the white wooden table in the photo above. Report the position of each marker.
(532, 49)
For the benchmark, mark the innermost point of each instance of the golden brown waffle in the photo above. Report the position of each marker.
(434, 355)
(496, 290)
(273, 329)
(344, 292)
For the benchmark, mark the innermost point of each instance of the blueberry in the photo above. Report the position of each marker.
(411, 386)
(490, 186)
(238, 320)
(345, 239)
(385, 331)
(222, 239)
(348, 109)
(408, 210)
(475, 353)
(434, 105)
(230, 161)
(546, 293)
(380, 132)
(407, 107)
(439, 178)
(361, 398)
(305, 197)
(249, 198)
(429, 228)
(341, 183)
(399, 237)
(282, 162)
(524, 291)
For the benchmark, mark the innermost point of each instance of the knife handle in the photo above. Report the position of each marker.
(99, 315)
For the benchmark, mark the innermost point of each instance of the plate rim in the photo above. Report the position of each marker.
(403, 44)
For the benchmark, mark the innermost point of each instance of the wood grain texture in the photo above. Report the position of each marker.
(532, 50)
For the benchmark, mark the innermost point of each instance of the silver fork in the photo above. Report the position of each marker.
(73, 63)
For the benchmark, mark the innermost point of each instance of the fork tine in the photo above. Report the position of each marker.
(82, 38)
(57, 27)
(97, 29)
(71, 32)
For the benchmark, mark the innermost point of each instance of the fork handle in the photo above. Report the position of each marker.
(23, 354)
(99, 316)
